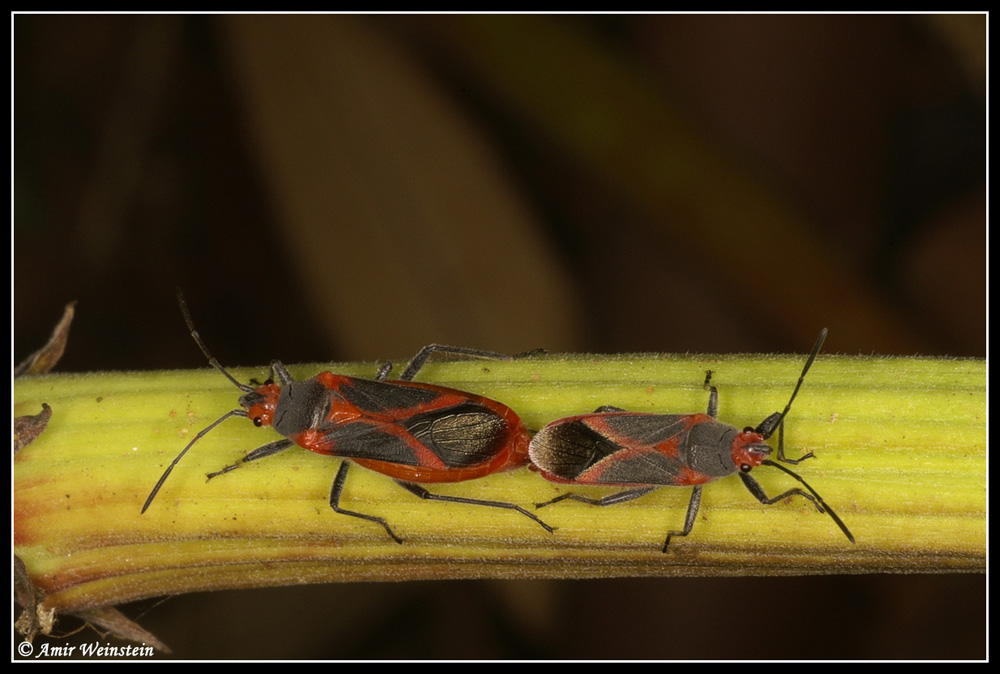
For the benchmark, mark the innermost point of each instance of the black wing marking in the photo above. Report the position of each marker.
(380, 397)
(460, 436)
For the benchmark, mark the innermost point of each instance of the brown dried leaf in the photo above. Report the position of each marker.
(28, 624)
(45, 359)
(113, 620)
(29, 427)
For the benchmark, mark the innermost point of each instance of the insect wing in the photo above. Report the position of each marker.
(460, 435)
(387, 400)
(448, 434)
(624, 449)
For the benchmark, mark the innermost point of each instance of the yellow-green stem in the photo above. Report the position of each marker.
(900, 447)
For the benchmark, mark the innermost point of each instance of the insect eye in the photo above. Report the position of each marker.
(748, 429)
(745, 467)
(258, 422)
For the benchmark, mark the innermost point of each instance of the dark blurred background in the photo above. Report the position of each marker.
(345, 187)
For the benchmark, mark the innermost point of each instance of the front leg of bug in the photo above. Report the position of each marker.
(781, 448)
(754, 488)
(814, 497)
(255, 455)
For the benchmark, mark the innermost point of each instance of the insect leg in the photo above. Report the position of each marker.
(692, 512)
(781, 448)
(420, 359)
(259, 453)
(278, 368)
(820, 503)
(338, 488)
(419, 491)
(620, 497)
(754, 488)
(383, 371)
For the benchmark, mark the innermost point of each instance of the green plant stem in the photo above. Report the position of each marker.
(900, 447)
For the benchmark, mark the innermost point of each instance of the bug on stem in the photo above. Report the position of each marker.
(612, 447)
(411, 431)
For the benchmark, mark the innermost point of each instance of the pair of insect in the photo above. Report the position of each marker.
(423, 433)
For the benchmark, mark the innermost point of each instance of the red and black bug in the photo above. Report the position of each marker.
(410, 431)
(612, 447)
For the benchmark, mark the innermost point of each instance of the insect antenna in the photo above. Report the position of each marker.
(233, 413)
(204, 349)
(770, 424)
(170, 468)
(819, 499)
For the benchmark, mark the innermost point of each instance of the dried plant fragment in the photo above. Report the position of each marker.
(29, 427)
(45, 359)
(29, 597)
(115, 621)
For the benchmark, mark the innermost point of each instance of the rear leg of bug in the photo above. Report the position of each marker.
(419, 491)
(419, 360)
(613, 499)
